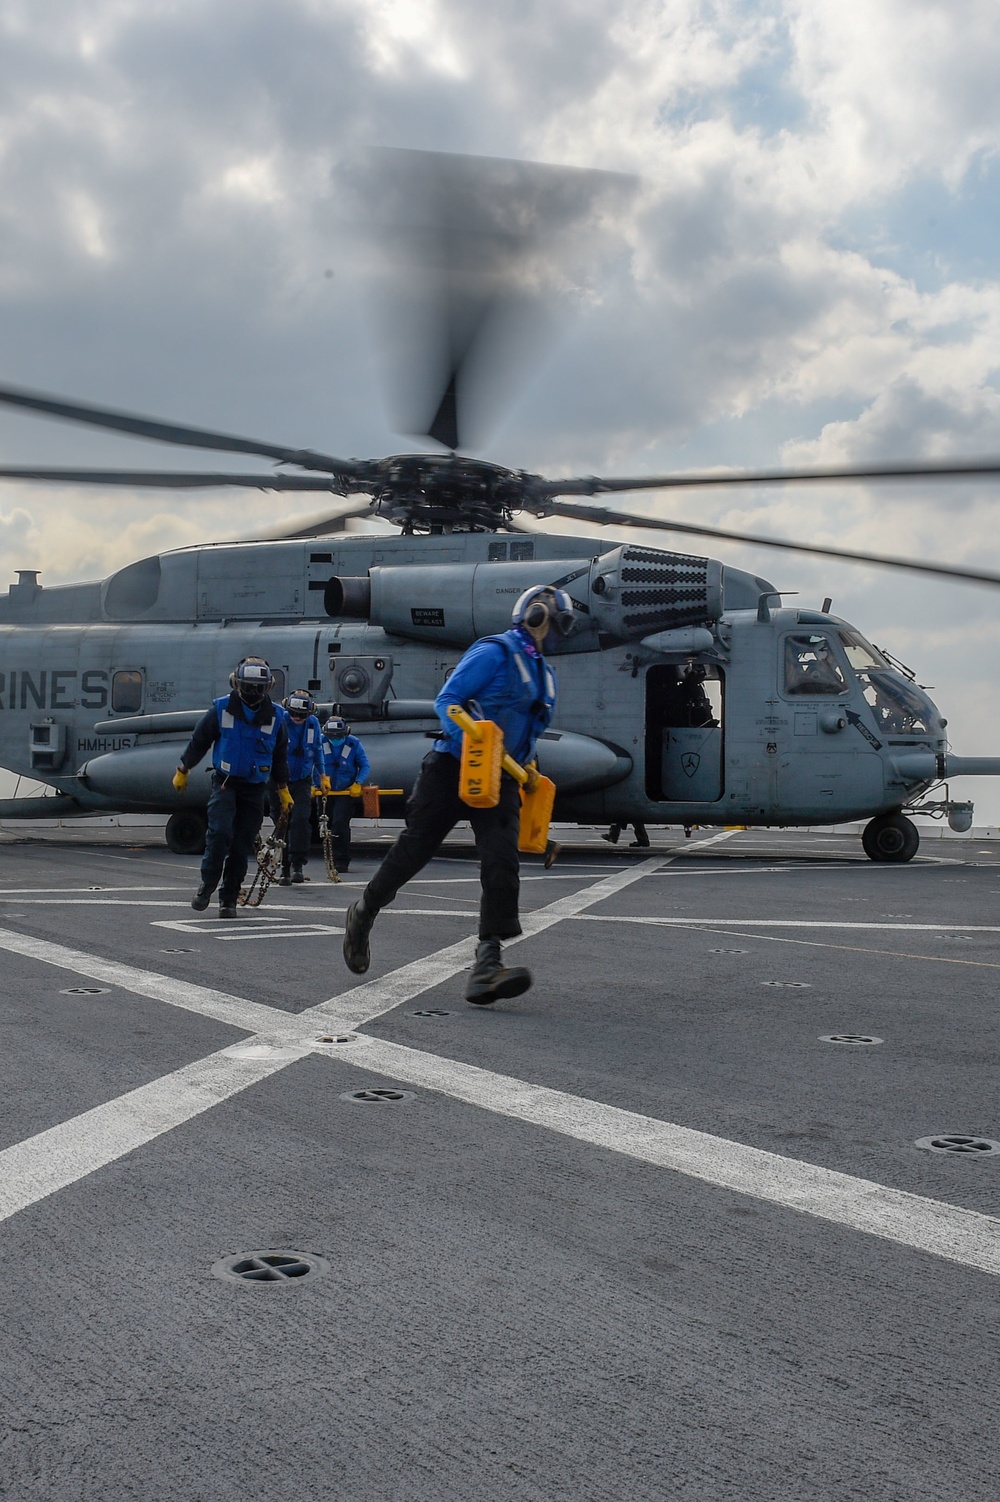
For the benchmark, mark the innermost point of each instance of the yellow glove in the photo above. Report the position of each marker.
(325, 785)
(534, 777)
(355, 790)
(318, 793)
(287, 801)
(180, 779)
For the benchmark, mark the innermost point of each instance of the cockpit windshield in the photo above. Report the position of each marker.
(899, 706)
(860, 653)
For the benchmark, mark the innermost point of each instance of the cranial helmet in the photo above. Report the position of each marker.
(251, 680)
(336, 728)
(299, 701)
(541, 603)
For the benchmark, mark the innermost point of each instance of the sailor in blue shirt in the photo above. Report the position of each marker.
(346, 767)
(505, 679)
(249, 744)
(305, 769)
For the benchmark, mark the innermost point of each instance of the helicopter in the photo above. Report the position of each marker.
(689, 694)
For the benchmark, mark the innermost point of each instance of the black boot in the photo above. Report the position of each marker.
(489, 980)
(297, 877)
(226, 909)
(201, 898)
(285, 879)
(357, 927)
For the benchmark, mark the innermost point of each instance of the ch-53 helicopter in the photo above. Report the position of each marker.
(688, 694)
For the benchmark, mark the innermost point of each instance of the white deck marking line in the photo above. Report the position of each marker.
(58, 1157)
(972, 928)
(93, 891)
(250, 1016)
(883, 954)
(911, 1220)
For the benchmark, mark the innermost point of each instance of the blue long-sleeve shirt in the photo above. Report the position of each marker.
(510, 681)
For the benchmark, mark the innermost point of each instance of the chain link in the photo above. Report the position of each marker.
(269, 853)
(327, 838)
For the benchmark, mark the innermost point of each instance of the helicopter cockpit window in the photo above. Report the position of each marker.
(860, 653)
(900, 707)
(810, 666)
(126, 692)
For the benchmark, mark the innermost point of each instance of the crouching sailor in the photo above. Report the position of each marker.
(249, 745)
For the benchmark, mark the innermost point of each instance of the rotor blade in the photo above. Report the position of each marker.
(320, 526)
(471, 255)
(607, 518)
(168, 479)
(166, 432)
(444, 428)
(947, 468)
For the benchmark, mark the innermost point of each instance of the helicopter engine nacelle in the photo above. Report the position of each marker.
(623, 594)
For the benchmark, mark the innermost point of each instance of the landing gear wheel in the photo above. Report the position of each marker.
(185, 833)
(891, 837)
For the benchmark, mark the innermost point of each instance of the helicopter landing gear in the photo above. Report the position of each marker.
(891, 837)
(185, 833)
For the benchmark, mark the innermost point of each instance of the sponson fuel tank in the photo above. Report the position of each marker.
(140, 775)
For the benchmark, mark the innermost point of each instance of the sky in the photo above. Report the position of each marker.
(806, 273)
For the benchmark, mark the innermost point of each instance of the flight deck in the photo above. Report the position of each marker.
(712, 1212)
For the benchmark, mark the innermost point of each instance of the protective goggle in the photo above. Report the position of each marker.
(336, 729)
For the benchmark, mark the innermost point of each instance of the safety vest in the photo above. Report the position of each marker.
(303, 747)
(244, 749)
(345, 764)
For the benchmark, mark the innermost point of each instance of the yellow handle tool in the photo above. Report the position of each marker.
(537, 792)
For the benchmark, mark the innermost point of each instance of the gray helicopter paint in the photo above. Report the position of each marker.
(773, 760)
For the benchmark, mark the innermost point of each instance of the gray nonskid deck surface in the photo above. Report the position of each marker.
(637, 1233)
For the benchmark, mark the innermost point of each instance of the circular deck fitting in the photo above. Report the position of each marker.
(86, 991)
(336, 1038)
(178, 951)
(961, 938)
(788, 985)
(852, 1040)
(432, 1012)
(383, 1096)
(729, 951)
(952, 1142)
(269, 1266)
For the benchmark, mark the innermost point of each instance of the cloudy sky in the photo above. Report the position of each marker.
(806, 274)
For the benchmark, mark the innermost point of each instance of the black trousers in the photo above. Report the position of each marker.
(299, 835)
(433, 810)
(235, 814)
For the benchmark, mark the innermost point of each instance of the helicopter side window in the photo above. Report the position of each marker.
(811, 668)
(126, 691)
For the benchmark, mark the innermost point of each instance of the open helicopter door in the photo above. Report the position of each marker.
(684, 718)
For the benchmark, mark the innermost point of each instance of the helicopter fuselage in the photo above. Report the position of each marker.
(685, 696)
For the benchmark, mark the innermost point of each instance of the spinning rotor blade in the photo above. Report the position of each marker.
(167, 479)
(470, 254)
(607, 518)
(947, 468)
(321, 526)
(166, 432)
